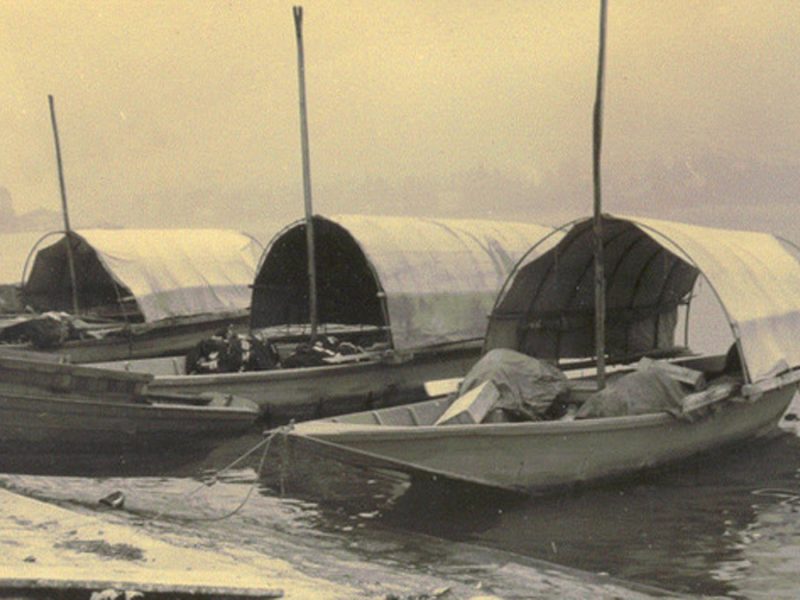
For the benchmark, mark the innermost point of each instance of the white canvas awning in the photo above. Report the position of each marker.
(166, 272)
(651, 266)
(430, 281)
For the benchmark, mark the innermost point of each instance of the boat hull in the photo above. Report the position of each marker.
(53, 413)
(143, 341)
(64, 436)
(534, 457)
(314, 392)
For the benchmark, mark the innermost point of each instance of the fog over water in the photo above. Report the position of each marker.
(186, 114)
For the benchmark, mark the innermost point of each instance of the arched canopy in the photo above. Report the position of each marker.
(156, 273)
(428, 280)
(547, 308)
(14, 251)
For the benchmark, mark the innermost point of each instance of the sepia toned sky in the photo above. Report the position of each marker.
(185, 113)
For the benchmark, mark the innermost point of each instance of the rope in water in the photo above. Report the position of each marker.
(266, 442)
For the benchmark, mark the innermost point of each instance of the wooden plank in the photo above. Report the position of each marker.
(12, 351)
(756, 390)
(31, 366)
(168, 590)
(582, 385)
(710, 396)
(472, 407)
(442, 387)
(691, 377)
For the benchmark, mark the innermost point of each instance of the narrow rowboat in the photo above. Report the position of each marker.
(535, 456)
(373, 380)
(52, 413)
(546, 308)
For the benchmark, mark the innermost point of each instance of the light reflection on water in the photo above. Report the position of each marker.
(722, 524)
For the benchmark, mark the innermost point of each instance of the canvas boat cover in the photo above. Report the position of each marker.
(430, 281)
(167, 272)
(651, 266)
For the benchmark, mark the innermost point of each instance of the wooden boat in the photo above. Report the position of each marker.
(611, 287)
(111, 340)
(374, 380)
(535, 456)
(139, 293)
(51, 413)
(546, 309)
(426, 285)
(423, 308)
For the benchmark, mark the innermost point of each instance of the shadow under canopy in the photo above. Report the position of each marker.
(146, 274)
(423, 281)
(546, 308)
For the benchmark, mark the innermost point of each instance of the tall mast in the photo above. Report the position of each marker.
(312, 269)
(64, 210)
(599, 275)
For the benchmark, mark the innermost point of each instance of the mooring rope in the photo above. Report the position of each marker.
(266, 443)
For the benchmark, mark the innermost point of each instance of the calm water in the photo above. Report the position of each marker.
(727, 524)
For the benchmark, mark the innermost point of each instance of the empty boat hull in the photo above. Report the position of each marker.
(539, 456)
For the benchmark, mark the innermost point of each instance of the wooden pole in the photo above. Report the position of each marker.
(312, 269)
(64, 210)
(599, 274)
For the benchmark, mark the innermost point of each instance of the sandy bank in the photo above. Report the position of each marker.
(41, 540)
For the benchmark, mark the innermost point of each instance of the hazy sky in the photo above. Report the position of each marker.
(186, 112)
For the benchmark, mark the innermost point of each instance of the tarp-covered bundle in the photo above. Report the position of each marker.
(526, 387)
(154, 273)
(428, 281)
(547, 308)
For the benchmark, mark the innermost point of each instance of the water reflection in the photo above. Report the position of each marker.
(769, 548)
(673, 529)
(182, 457)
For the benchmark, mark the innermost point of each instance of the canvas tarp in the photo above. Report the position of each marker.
(651, 266)
(168, 272)
(758, 284)
(430, 281)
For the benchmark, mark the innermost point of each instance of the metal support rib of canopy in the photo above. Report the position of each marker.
(546, 307)
(425, 281)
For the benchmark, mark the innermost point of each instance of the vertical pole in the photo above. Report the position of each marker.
(64, 211)
(312, 269)
(599, 275)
